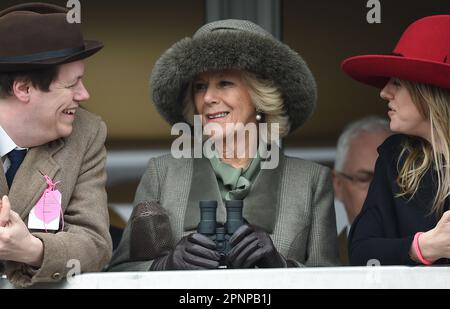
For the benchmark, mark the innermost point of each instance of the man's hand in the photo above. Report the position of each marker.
(16, 242)
(252, 247)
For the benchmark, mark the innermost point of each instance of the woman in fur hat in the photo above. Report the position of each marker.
(232, 72)
(405, 218)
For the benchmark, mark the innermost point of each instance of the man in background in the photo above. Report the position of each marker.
(354, 168)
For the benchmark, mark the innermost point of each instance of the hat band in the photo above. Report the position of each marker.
(43, 56)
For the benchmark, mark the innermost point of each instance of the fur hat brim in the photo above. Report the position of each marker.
(238, 50)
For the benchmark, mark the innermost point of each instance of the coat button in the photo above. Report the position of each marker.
(56, 276)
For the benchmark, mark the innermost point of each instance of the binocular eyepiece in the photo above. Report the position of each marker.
(208, 225)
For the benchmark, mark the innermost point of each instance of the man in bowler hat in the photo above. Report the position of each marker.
(53, 210)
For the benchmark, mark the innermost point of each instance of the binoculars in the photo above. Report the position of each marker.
(209, 227)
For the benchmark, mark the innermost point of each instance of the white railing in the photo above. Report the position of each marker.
(378, 277)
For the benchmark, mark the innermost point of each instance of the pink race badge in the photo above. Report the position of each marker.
(48, 208)
(46, 213)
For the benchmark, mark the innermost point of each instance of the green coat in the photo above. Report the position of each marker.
(293, 203)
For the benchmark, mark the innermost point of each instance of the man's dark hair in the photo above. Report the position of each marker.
(40, 79)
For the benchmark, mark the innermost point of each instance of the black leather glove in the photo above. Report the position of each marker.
(250, 247)
(194, 251)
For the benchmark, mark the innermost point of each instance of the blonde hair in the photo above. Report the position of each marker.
(266, 97)
(433, 103)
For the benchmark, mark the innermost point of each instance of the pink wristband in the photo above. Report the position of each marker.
(418, 252)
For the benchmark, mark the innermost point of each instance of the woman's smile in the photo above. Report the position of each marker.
(217, 117)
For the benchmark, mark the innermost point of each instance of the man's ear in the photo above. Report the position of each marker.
(337, 185)
(22, 90)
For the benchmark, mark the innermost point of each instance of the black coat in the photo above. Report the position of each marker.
(385, 228)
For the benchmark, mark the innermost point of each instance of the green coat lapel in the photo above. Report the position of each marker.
(261, 206)
(204, 187)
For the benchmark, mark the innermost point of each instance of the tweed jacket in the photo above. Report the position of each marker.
(293, 203)
(78, 163)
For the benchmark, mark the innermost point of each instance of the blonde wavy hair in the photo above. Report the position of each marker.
(266, 97)
(433, 103)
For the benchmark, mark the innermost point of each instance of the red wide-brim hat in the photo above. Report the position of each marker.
(422, 55)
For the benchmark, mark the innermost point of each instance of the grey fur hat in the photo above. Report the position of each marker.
(233, 44)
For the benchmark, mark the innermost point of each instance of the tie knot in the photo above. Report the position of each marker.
(16, 156)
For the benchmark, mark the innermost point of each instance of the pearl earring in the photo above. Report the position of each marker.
(259, 116)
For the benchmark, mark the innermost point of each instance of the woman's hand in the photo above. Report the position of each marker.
(194, 251)
(250, 247)
(435, 244)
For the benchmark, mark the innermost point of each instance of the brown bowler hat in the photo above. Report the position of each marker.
(37, 35)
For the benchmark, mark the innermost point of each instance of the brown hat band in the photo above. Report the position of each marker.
(43, 56)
